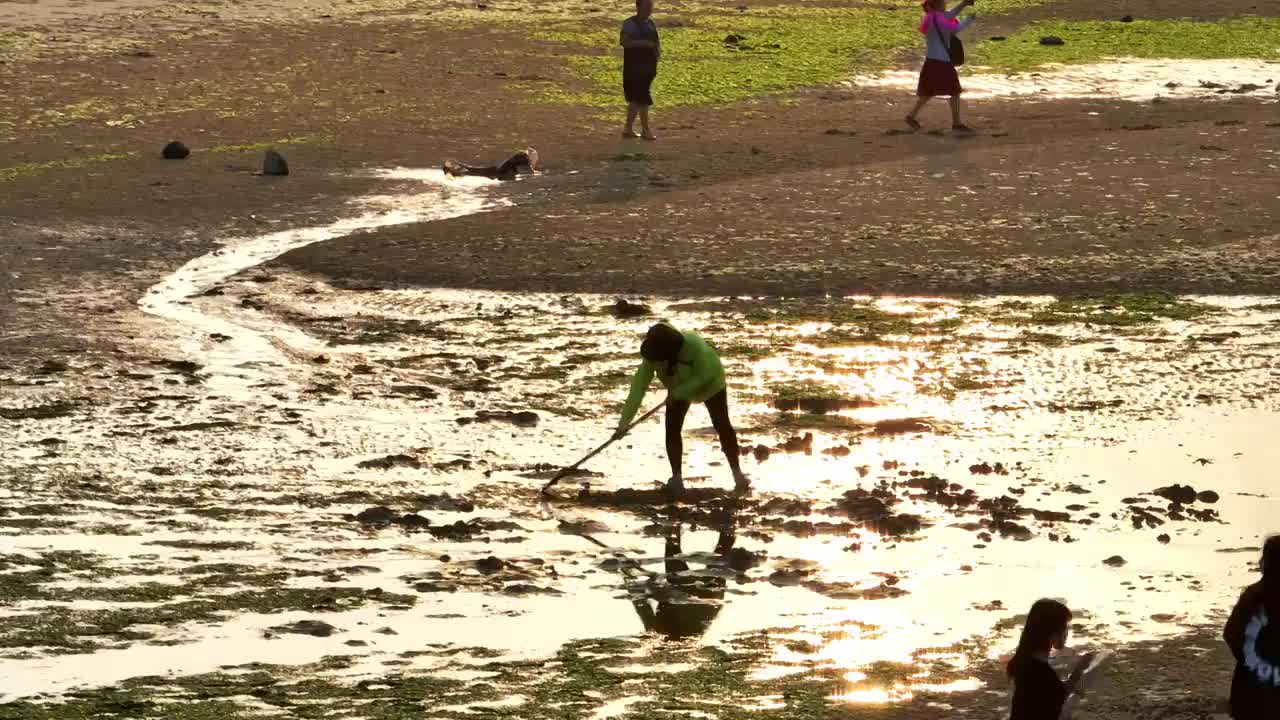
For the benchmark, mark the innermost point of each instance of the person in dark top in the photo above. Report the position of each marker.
(1253, 634)
(527, 159)
(1038, 692)
(640, 51)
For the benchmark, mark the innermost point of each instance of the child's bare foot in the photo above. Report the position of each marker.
(649, 136)
(912, 122)
(630, 134)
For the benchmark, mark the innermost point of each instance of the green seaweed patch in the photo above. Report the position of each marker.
(1098, 41)
(1115, 311)
(721, 59)
(64, 629)
(268, 145)
(581, 679)
(14, 172)
(208, 545)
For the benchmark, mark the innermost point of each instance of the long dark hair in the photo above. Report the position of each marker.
(1271, 577)
(1047, 619)
(662, 344)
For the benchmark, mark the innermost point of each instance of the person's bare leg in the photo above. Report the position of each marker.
(954, 101)
(676, 411)
(718, 408)
(632, 111)
(912, 117)
(645, 132)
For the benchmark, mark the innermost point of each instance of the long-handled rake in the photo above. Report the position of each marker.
(617, 436)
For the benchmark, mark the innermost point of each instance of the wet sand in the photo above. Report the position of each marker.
(203, 435)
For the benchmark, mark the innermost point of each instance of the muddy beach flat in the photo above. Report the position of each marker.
(275, 445)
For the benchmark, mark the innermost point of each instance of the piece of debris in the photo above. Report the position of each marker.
(273, 163)
(314, 628)
(1052, 40)
(623, 309)
(175, 151)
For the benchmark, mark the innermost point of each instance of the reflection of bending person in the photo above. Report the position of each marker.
(679, 617)
(527, 159)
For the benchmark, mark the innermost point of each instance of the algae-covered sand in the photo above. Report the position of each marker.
(273, 445)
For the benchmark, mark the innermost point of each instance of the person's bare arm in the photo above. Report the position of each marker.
(953, 12)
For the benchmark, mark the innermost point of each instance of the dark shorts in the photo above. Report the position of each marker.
(938, 77)
(637, 78)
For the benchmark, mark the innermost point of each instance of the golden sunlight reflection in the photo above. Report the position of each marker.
(882, 657)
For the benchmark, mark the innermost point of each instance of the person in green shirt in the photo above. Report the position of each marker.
(691, 371)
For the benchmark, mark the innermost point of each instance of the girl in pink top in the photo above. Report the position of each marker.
(938, 76)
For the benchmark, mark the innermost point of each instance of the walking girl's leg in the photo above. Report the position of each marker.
(676, 410)
(718, 408)
(954, 100)
(632, 111)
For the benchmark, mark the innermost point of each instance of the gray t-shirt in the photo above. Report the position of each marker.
(636, 29)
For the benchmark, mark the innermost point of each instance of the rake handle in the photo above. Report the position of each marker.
(597, 451)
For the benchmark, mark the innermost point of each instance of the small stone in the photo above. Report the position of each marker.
(1115, 561)
(1052, 40)
(1208, 497)
(273, 163)
(386, 631)
(377, 516)
(1126, 19)
(355, 643)
(314, 628)
(489, 565)
(175, 151)
(414, 520)
(623, 309)
(1164, 539)
(1181, 494)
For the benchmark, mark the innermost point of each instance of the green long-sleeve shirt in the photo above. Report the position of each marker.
(699, 375)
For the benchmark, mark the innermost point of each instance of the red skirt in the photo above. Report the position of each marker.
(938, 77)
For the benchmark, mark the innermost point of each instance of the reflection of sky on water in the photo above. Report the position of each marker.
(1115, 412)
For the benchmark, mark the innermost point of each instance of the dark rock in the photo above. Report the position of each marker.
(1115, 561)
(355, 643)
(422, 392)
(386, 631)
(997, 38)
(623, 309)
(52, 367)
(1052, 40)
(526, 589)
(489, 565)
(413, 520)
(435, 587)
(799, 444)
(314, 628)
(443, 502)
(1164, 539)
(1208, 497)
(524, 418)
(1126, 19)
(175, 151)
(390, 461)
(377, 516)
(741, 559)
(902, 426)
(1181, 494)
(273, 163)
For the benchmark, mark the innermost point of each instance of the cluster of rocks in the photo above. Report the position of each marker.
(273, 163)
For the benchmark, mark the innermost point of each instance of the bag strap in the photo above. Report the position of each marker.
(933, 22)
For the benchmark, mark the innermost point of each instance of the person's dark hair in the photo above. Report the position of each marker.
(662, 344)
(1046, 620)
(1271, 576)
